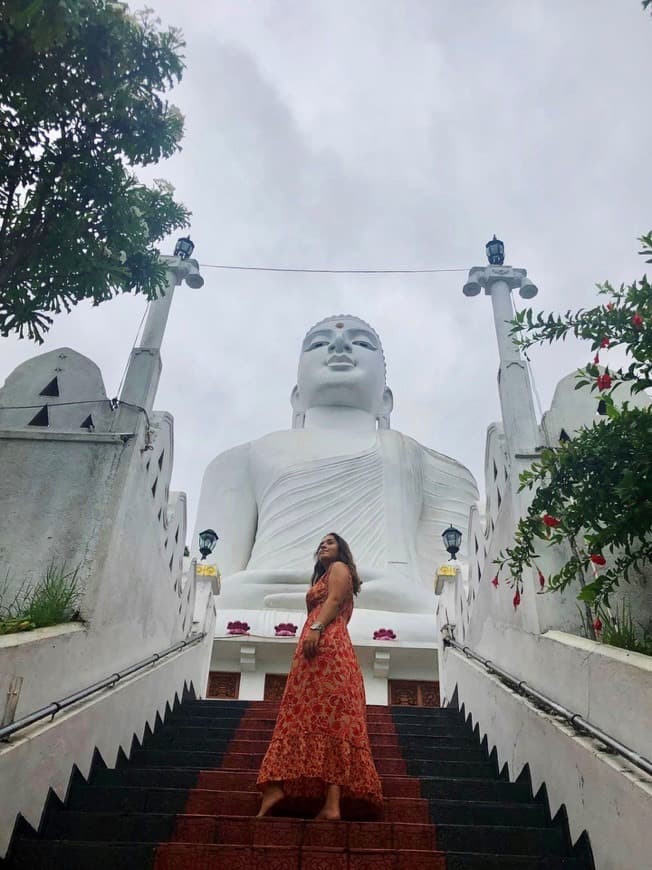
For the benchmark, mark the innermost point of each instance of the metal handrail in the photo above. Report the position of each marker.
(574, 719)
(107, 683)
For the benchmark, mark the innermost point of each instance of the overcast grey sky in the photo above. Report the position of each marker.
(385, 134)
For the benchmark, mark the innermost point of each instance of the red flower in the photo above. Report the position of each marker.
(637, 320)
(604, 381)
(494, 582)
(597, 625)
(596, 359)
(542, 579)
(517, 599)
(604, 342)
(551, 522)
(598, 559)
(610, 305)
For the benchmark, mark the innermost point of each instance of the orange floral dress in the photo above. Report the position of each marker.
(321, 735)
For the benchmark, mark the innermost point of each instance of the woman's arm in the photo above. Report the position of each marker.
(339, 586)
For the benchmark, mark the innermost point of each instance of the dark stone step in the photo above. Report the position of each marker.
(201, 730)
(120, 827)
(458, 812)
(423, 748)
(128, 799)
(177, 758)
(501, 840)
(219, 702)
(422, 729)
(475, 861)
(228, 720)
(448, 788)
(438, 752)
(65, 855)
(408, 742)
(424, 714)
(200, 727)
(231, 725)
(207, 726)
(210, 712)
(171, 741)
(176, 777)
(421, 767)
(428, 750)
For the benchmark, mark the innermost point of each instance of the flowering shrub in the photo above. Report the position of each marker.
(594, 491)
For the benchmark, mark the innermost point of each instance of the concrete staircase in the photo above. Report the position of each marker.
(186, 798)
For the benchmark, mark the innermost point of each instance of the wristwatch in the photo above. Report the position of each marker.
(317, 626)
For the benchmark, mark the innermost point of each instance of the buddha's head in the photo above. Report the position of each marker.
(342, 364)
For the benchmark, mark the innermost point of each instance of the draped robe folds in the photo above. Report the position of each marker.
(312, 497)
(388, 496)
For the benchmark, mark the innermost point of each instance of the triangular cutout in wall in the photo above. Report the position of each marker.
(88, 423)
(42, 418)
(52, 388)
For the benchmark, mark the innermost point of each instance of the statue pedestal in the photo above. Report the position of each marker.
(410, 628)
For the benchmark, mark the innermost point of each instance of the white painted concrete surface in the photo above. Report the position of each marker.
(603, 795)
(254, 657)
(98, 500)
(43, 756)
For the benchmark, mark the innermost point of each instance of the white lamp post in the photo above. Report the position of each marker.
(519, 419)
(144, 369)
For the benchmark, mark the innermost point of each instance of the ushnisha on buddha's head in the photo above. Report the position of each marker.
(342, 365)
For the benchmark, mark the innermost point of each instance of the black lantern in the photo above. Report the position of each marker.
(452, 540)
(184, 248)
(207, 541)
(495, 252)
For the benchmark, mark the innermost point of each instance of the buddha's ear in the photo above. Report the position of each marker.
(386, 408)
(298, 411)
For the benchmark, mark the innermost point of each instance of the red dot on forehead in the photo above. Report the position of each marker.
(339, 325)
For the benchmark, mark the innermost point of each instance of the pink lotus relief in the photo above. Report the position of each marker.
(384, 634)
(285, 629)
(238, 627)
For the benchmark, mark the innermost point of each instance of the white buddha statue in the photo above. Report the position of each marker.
(341, 469)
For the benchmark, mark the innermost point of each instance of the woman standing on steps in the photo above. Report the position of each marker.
(320, 746)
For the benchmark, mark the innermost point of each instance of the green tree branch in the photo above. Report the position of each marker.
(81, 108)
(595, 490)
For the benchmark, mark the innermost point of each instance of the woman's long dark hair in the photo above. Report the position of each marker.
(345, 556)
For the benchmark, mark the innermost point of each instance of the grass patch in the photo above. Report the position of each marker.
(617, 628)
(51, 601)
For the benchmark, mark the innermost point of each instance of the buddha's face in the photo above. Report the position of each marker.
(342, 363)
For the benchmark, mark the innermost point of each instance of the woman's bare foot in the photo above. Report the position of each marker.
(271, 796)
(331, 810)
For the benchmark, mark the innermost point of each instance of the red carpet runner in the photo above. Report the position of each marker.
(218, 830)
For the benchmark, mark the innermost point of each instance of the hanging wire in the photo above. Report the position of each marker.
(124, 371)
(329, 271)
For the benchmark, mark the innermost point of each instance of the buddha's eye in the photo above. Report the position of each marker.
(316, 344)
(362, 343)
